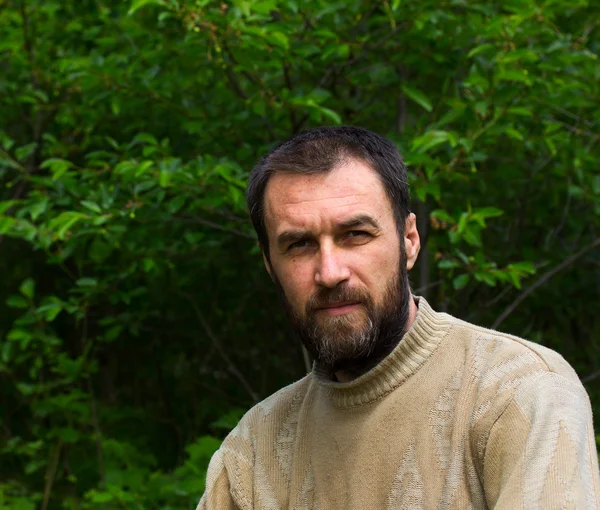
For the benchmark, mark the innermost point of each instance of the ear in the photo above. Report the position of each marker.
(412, 241)
(266, 262)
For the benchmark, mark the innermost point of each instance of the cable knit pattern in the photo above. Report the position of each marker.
(456, 417)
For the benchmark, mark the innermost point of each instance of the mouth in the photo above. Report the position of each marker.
(338, 308)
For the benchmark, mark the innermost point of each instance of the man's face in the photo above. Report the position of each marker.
(336, 254)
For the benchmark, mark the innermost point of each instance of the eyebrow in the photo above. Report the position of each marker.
(362, 220)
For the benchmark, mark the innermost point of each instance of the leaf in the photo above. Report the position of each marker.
(487, 278)
(51, 310)
(27, 288)
(472, 235)
(330, 114)
(9, 163)
(24, 152)
(479, 49)
(38, 208)
(520, 110)
(448, 264)
(65, 221)
(146, 138)
(442, 215)
(92, 206)
(57, 166)
(489, 212)
(522, 267)
(460, 281)
(7, 352)
(17, 302)
(513, 133)
(513, 75)
(164, 178)
(7, 204)
(6, 222)
(86, 282)
(176, 204)
(138, 4)
(281, 39)
(418, 97)
(430, 140)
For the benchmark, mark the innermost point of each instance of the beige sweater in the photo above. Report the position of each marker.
(456, 417)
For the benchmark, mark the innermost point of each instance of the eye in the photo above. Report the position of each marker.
(353, 234)
(303, 243)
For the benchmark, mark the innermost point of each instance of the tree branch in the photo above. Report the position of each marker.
(590, 377)
(28, 44)
(216, 226)
(51, 474)
(543, 279)
(94, 408)
(219, 347)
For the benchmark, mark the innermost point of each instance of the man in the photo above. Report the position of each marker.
(405, 407)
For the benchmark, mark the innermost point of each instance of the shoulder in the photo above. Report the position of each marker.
(516, 378)
(500, 354)
(272, 410)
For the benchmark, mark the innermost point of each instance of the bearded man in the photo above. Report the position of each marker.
(405, 407)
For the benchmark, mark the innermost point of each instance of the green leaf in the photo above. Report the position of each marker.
(487, 278)
(24, 152)
(330, 114)
(51, 310)
(472, 235)
(57, 166)
(281, 39)
(146, 138)
(38, 208)
(460, 281)
(164, 178)
(87, 282)
(17, 302)
(138, 4)
(418, 97)
(479, 49)
(65, 221)
(517, 75)
(430, 140)
(7, 349)
(513, 133)
(6, 223)
(489, 212)
(92, 206)
(27, 288)
(442, 215)
(448, 264)
(176, 204)
(520, 110)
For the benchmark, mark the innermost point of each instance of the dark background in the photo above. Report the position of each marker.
(137, 323)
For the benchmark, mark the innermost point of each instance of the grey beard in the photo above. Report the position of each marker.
(340, 341)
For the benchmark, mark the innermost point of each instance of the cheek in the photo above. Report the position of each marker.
(379, 267)
(297, 279)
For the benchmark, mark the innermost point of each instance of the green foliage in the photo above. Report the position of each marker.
(136, 322)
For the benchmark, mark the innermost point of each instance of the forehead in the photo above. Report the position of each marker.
(300, 200)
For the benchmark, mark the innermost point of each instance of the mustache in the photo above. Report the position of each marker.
(325, 297)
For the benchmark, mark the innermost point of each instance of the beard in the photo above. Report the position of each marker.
(358, 340)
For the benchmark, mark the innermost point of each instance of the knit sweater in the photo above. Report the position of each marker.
(456, 417)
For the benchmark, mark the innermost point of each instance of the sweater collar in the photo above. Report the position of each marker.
(415, 348)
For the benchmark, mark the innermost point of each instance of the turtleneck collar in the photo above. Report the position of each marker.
(417, 345)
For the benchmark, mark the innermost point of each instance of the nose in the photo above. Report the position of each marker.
(331, 269)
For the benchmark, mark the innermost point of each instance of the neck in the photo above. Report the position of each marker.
(349, 373)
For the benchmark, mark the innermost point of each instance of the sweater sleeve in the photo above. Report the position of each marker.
(218, 492)
(541, 452)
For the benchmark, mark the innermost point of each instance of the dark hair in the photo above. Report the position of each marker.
(321, 150)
